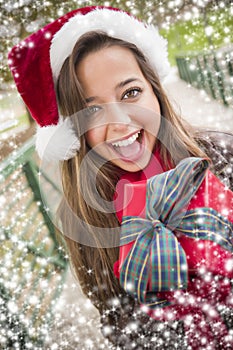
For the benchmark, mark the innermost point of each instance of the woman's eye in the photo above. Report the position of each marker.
(91, 110)
(131, 93)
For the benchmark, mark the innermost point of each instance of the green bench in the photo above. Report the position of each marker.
(211, 71)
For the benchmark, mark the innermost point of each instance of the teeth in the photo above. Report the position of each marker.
(126, 142)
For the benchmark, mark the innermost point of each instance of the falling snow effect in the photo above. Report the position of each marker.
(40, 310)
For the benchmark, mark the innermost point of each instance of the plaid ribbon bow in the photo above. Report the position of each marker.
(156, 256)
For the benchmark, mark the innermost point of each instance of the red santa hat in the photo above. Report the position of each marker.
(36, 63)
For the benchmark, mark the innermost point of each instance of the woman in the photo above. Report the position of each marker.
(106, 68)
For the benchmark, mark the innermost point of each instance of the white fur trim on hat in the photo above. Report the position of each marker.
(57, 142)
(117, 24)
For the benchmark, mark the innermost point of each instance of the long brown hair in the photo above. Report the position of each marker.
(94, 265)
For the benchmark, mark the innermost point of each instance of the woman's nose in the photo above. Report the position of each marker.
(118, 118)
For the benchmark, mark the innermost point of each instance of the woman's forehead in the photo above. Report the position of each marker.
(109, 67)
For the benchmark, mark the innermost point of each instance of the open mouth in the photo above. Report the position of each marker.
(129, 149)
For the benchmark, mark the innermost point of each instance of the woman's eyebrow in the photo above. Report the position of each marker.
(91, 99)
(118, 86)
(127, 81)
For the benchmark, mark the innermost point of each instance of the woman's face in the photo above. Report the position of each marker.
(123, 113)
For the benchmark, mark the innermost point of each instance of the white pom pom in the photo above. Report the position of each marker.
(57, 142)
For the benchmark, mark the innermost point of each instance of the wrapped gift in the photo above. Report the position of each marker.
(176, 236)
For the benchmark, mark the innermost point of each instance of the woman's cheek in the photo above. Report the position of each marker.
(95, 137)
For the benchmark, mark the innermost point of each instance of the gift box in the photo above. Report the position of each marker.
(187, 278)
(203, 229)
